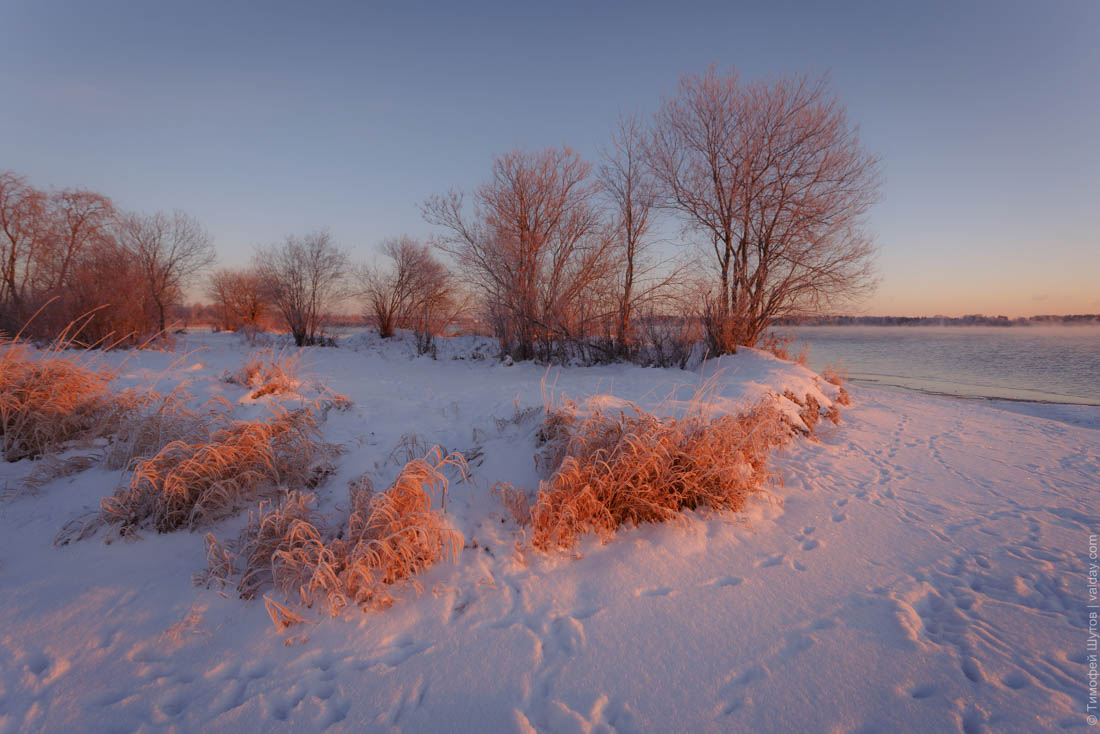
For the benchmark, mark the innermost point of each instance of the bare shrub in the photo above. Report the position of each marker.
(24, 227)
(668, 340)
(106, 279)
(632, 467)
(64, 253)
(43, 235)
(389, 537)
(186, 484)
(843, 398)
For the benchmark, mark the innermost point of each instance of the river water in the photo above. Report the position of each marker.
(1055, 364)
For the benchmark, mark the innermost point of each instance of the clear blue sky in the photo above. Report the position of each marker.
(264, 119)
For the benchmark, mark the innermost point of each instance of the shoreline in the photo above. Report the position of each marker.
(973, 398)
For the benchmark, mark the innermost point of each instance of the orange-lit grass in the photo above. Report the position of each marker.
(161, 420)
(50, 397)
(268, 372)
(187, 484)
(834, 374)
(515, 500)
(779, 345)
(390, 537)
(632, 467)
(838, 375)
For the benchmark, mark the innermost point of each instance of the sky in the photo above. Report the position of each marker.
(266, 119)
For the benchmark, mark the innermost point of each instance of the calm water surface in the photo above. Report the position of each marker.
(1058, 364)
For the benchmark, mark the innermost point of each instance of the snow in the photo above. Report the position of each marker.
(922, 568)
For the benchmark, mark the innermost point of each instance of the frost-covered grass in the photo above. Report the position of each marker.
(387, 538)
(628, 467)
(193, 484)
(51, 397)
(269, 372)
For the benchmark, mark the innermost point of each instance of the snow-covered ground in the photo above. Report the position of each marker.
(923, 568)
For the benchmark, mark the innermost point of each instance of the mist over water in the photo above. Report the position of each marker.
(1058, 364)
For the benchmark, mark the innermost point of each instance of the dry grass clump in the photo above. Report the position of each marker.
(834, 374)
(779, 345)
(186, 484)
(52, 467)
(515, 500)
(269, 372)
(395, 535)
(161, 420)
(389, 537)
(49, 398)
(633, 467)
(810, 410)
(837, 375)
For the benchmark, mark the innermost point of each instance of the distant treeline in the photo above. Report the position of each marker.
(968, 320)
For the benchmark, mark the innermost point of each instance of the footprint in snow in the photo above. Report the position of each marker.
(655, 591)
(770, 561)
(724, 581)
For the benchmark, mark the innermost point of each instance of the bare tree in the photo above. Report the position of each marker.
(626, 181)
(775, 179)
(239, 296)
(533, 246)
(304, 277)
(79, 219)
(412, 290)
(391, 289)
(170, 249)
(437, 303)
(24, 231)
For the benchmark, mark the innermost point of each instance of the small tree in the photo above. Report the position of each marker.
(391, 289)
(106, 278)
(80, 220)
(411, 290)
(303, 278)
(436, 304)
(533, 246)
(24, 231)
(627, 183)
(170, 250)
(775, 179)
(238, 294)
